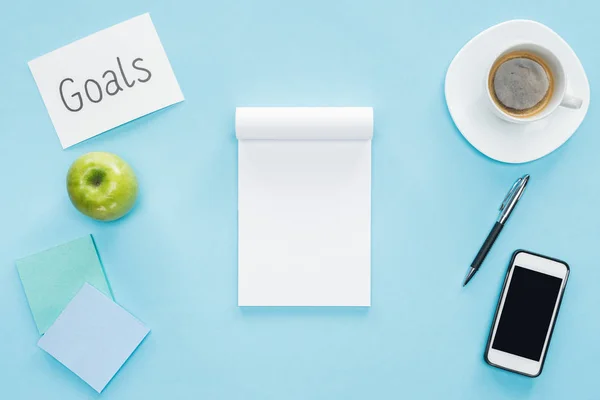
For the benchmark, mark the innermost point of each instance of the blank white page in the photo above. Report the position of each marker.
(304, 206)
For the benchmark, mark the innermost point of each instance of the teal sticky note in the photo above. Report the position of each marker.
(53, 277)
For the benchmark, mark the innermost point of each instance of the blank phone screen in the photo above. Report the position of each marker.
(527, 313)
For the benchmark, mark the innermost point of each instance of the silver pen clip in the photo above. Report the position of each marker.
(510, 193)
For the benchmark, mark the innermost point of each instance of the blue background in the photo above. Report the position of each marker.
(173, 261)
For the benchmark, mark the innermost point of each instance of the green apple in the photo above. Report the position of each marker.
(102, 186)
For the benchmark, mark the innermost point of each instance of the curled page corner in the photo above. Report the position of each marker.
(304, 123)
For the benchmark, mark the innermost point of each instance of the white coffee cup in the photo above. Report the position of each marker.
(560, 97)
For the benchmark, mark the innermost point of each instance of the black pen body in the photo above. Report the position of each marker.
(487, 245)
(483, 251)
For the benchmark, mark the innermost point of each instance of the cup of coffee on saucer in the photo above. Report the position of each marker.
(527, 82)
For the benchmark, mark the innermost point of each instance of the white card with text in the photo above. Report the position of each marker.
(105, 80)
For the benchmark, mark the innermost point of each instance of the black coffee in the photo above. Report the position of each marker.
(521, 83)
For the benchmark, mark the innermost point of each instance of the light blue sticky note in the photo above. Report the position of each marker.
(93, 337)
(53, 277)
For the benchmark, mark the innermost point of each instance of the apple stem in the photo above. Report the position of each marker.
(96, 177)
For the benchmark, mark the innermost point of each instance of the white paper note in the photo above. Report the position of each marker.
(93, 337)
(304, 206)
(106, 79)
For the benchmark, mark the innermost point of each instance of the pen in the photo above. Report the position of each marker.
(506, 208)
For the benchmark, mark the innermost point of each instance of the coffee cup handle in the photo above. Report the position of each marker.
(571, 102)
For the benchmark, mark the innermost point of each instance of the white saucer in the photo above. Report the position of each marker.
(468, 105)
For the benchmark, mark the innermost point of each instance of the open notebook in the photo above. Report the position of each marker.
(304, 206)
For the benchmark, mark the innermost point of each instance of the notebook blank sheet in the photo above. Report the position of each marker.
(304, 206)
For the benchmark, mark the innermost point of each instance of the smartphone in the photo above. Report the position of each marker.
(526, 313)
